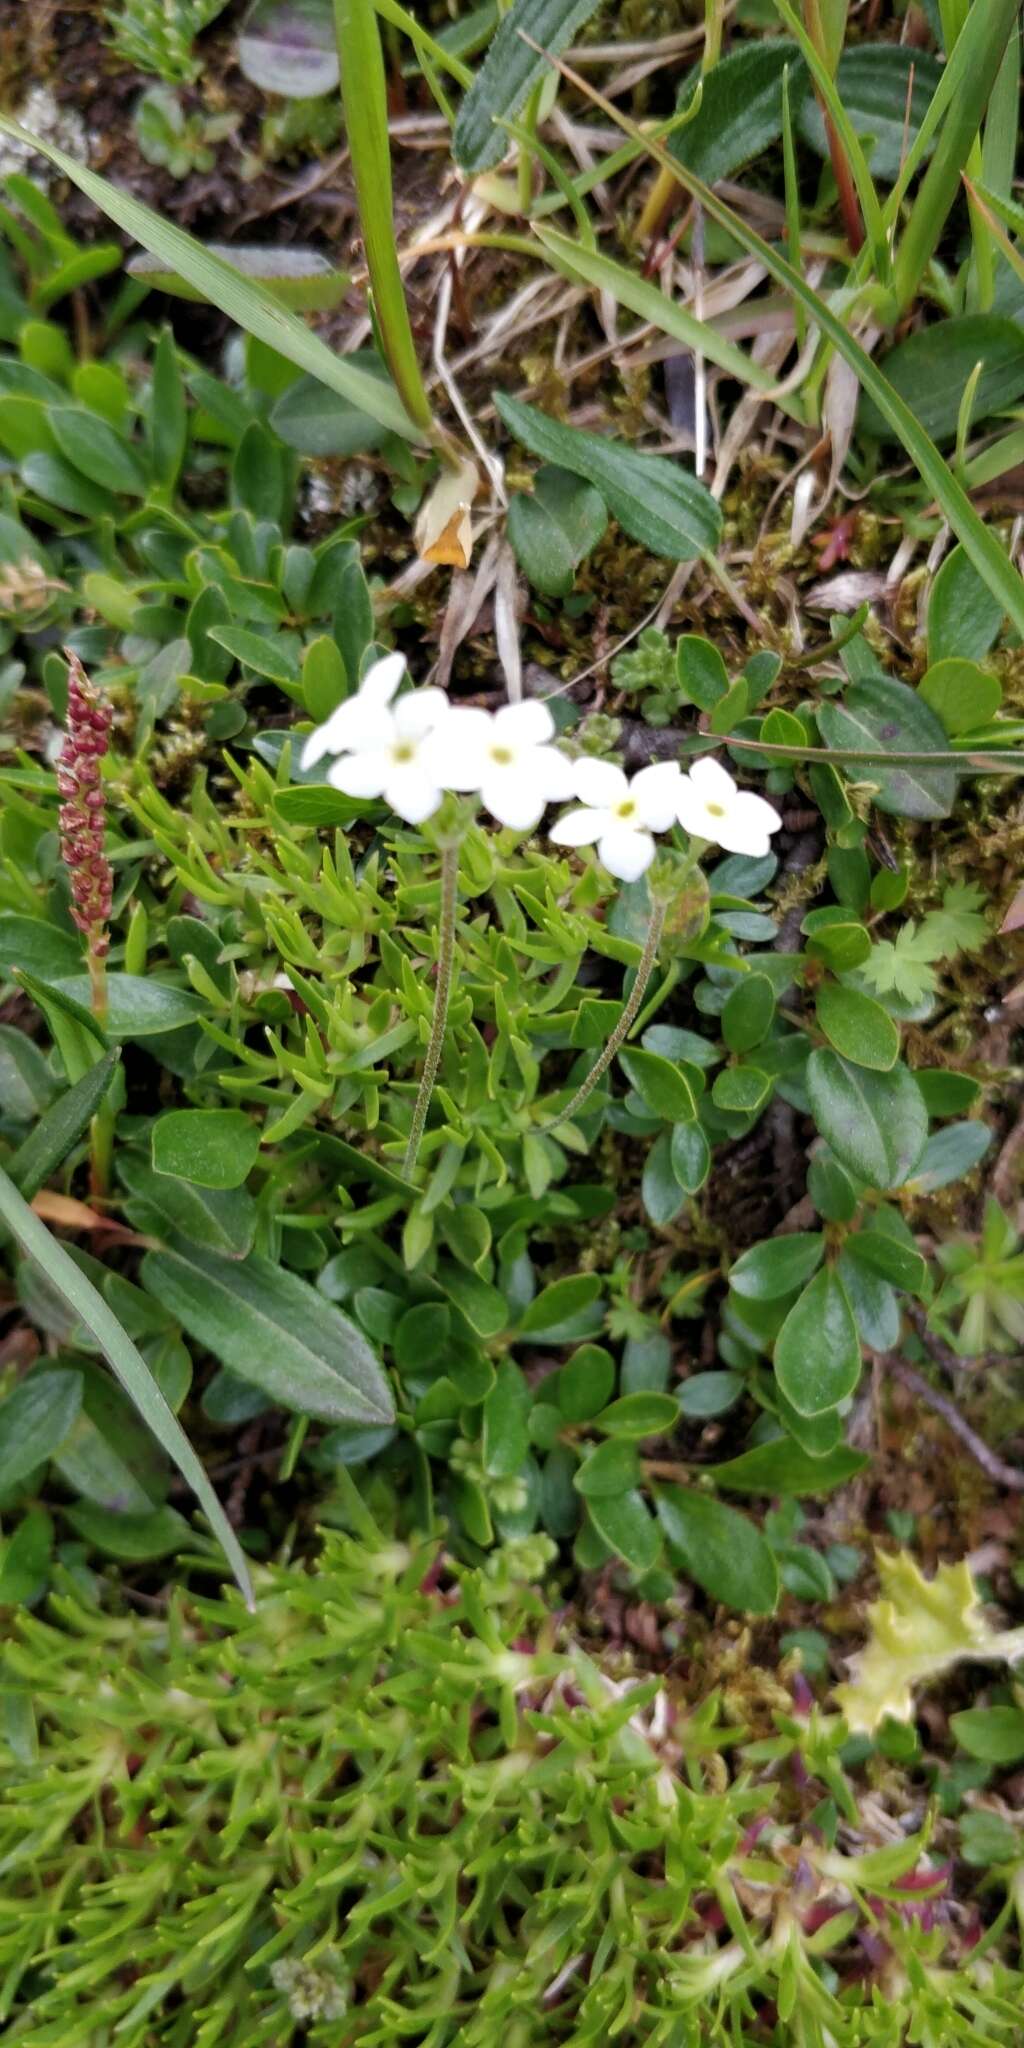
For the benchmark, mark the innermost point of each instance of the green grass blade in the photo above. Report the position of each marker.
(225, 287)
(982, 42)
(870, 206)
(364, 96)
(135, 1377)
(423, 42)
(649, 303)
(982, 547)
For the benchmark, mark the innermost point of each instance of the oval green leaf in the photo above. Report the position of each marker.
(817, 1351)
(720, 1549)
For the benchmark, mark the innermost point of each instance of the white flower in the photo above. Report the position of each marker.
(709, 806)
(343, 728)
(505, 756)
(621, 815)
(388, 754)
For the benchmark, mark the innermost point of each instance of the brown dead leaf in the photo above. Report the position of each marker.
(444, 528)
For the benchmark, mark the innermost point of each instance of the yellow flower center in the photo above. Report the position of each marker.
(403, 751)
(626, 809)
(503, 756)
(715, 810)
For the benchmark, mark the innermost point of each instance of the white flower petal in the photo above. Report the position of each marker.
(420, 712)
(714, 782)
(411, 792)
(362, 774)
(655, 792)
(745, 829)
(600, 782)
(692, 811)
(523, 725)
(580, 828)
(624, 853)
(456, 750)
(331, 737)
(556, 774)
(382, 679)
(512, 797)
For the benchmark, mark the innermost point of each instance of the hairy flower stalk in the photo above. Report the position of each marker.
(630, 1010)
(82, 817)
(442, 992)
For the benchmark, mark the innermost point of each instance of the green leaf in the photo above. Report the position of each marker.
(964, 617)
(893, 1261)
(135, 1538)
(585, 1382)
(706, 1394)
(505, 1437)
(319, 422)
(38, 948)
(931, 368)
(92, 447)
(560, 1303)
(224, 1220)
(301, 279)
(961, 694)
(625, 1523)
(168, 413)
(213, 1148)
(509, 73)
(59, 483)
(250, 305)
(34, 1421)
(740, 111)
(876, 1124)
(747, 1016)
(138, 1007)
(661, 1189)
(886, 90)
(778, 1266)
(720, 1549)
(552, 531)
(273, 1330)
(858, 1027)
(27, 1086)
(958, 927)
(786, 1469)
(700, 671)
(903, 966)
(994, 1734)
(268, 655)
(60, 1128)
(664, 1088)
(612, 1468)
(689, 1156)
(25, 1560)
(817, 1351)
(654, 500)
(109, 1455)
(949, 1155)
(886, 717)
(639, 1415)
(741, 1090)
(130, 1368)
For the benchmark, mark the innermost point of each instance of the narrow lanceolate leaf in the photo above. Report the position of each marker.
(817, 1353)
(509, 72)
(89, 1307)
(60, 1128)
(654, 500)
(250, 304)
(272, 1329)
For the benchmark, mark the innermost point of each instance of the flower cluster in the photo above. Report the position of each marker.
(411, 750)
(81, 818)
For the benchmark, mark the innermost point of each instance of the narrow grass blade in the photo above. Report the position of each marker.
(223, 286)
(90, 1308)
(981, 46)
(423, 42)
(364, 95)
(984, 550)
(870, 206)
(649, 303)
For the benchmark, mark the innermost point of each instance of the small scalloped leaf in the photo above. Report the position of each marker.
(919, 1628)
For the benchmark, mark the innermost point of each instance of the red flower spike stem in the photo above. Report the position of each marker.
(82, 818)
